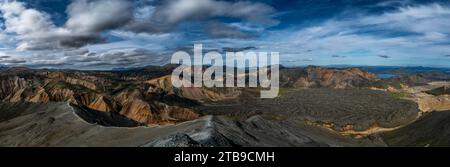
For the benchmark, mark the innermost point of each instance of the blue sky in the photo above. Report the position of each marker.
(105, 34)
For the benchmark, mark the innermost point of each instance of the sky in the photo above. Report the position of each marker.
(107, 34)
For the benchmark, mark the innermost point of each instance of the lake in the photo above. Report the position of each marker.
(385, 75)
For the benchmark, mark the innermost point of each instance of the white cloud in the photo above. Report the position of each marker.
(24, 21)
(424, 43)
(87, 20)
(97, 16)
(168, 14)
(35, 31)
(435, 36)
(420, 19)
(144, 12)
(358, 40)
(177, 10)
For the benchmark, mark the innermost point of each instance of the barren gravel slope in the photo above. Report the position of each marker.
(433, 129)
(55, 124)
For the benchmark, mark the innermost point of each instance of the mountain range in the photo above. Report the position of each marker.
(316, 106)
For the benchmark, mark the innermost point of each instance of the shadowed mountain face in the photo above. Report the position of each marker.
(316, 77)
(445, 90)
(316, 107)
(431, 130)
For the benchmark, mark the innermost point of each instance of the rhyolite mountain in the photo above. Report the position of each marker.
(146, 96)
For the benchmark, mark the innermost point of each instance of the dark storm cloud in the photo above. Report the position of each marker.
(219, 30)
(79, 41)
(100, 64)
(338, 56)
(384, 56)
(76, 52)
(87, 59)
(118, 58)
(50, 65)
(175, 11)
(13, 61)
(145, 26)
(228, 49)
(168, 14)
(56, 41)
(125, 60)
(4, 57)
(91, 54)
(114, 56)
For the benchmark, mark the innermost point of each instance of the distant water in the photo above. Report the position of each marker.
(385, 75)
